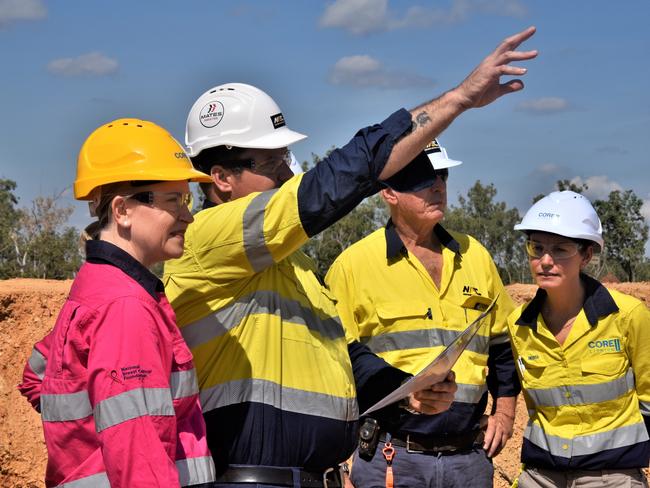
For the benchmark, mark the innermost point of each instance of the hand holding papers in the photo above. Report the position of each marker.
(438, 369)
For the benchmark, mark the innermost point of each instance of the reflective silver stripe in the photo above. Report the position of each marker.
(37, 363)
(582, 394)
(193, 471)
(183, 384)
(260, 302)
(66, 406)
(283, 398)
(133, 404)
(586, 444)
(499, 339)
(99, 480)
(645, 408)
(469, 393)
(414, 339)
(253, 222)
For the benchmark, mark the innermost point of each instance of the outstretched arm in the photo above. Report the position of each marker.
(480, 88)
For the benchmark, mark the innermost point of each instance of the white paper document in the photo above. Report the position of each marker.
(438, 369)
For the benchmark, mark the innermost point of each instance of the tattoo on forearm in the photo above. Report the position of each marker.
(420, 120)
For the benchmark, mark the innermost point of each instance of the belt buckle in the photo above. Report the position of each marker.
(408, 446)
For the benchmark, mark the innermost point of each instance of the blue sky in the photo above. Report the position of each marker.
(70, 65)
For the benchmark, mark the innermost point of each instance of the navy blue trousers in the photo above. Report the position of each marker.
(468, 469)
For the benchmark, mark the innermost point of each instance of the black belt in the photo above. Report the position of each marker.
(443, 443)
(331, 478)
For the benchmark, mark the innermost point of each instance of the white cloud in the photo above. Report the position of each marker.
(91, 64)
(549, 169)
(17, 10)
(365, 71)
(599, 186)
(546, 105)
(361, 17)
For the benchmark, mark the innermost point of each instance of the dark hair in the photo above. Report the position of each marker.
(221, 155)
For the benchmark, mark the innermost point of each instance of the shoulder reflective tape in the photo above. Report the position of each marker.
(645, 408)
(37, 363)
(283, 398)
(253, 223)
(415, 339)
(99, 480)
(196, 470)
(67, 406)
(586, 444)
(469, 393)
(133, 404)
(260, 302)
(183, 384)
(582, 394)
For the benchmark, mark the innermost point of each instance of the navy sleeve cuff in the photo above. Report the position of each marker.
(502, 379)
(374, 378)
(337, 184)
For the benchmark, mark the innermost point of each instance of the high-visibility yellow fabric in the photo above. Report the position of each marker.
(251, 309)
(585, 397)
(392, 305)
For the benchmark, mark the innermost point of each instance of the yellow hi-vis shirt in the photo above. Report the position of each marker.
(271, 356)
(588, 397)
(387, 300)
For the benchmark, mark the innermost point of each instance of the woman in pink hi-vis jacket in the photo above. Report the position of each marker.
(114, 381)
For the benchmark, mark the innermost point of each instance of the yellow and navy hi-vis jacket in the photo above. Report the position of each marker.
(274, 372)
(387, 300)
(589, 397)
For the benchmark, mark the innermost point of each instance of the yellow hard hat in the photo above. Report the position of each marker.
(131, 150)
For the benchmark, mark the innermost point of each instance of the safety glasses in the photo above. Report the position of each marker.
(173, 202)
(443, 174)
(265, 167)
(559, 251)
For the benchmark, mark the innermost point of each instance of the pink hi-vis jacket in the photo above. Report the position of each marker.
(115, 384)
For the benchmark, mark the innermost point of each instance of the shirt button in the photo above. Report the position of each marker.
(568, 394)
(565, 446)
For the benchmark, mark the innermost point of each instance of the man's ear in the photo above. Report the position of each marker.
(389, 196)
(222, 178)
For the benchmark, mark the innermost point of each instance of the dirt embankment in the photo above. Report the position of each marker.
(28, 309)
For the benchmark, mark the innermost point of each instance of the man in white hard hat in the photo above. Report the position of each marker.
(406, 291)
(274, 368)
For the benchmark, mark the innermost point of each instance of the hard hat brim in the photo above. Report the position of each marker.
(84, 188)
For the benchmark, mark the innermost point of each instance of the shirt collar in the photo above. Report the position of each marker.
(395, 246)
(103, 252)
(598, 303)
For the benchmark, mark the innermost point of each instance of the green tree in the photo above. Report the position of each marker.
(9, 216)
(325, 247)
(44, 247)
(625, 233)
(491, 223)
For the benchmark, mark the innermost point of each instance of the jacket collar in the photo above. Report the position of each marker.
(102, 252)
(395, 246)
(598, 303)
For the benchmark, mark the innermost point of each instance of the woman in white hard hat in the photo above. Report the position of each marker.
(583, 356)
(114, 381)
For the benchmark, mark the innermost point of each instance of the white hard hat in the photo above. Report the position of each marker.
(565, 213)
(438, 156)
(239, 115)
